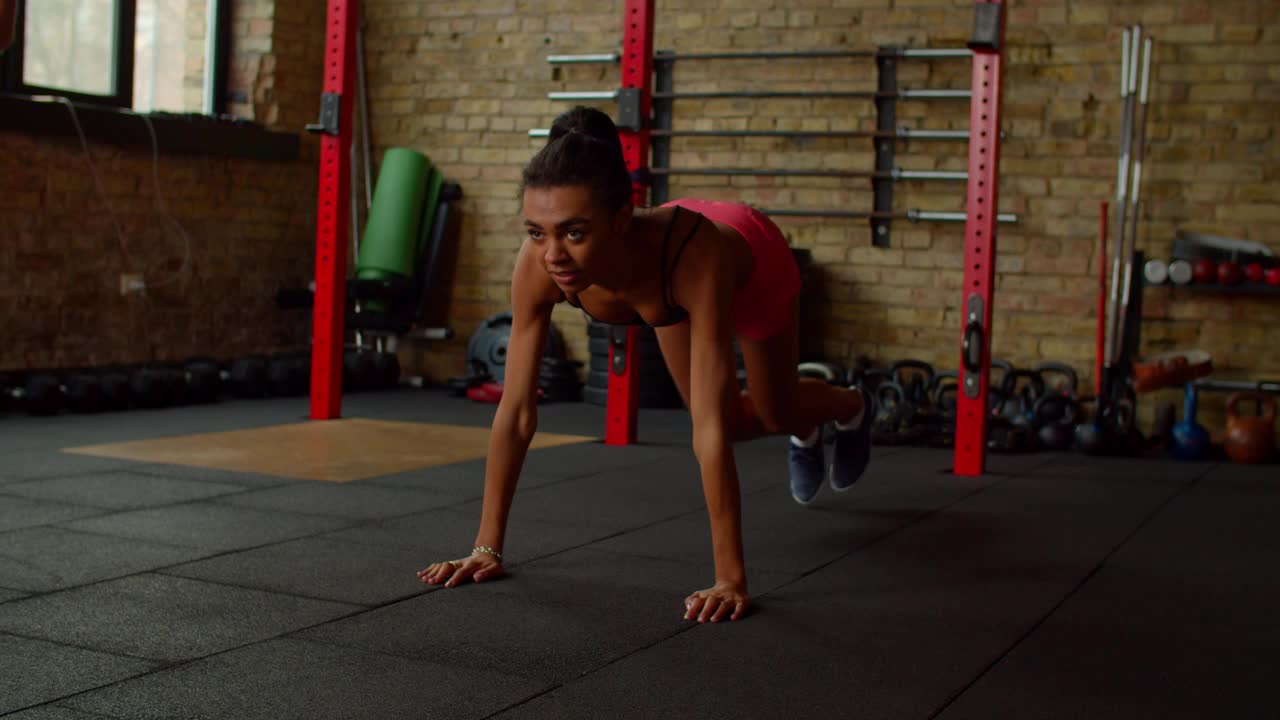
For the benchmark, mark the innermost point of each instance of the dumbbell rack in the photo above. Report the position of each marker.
(1265, 386)
(1188, 247)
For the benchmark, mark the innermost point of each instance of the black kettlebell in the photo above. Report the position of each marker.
(1089, 435)
(1055, 418)
(1123, 437)
(915, 376)
(1020, 398)
(1059, 377)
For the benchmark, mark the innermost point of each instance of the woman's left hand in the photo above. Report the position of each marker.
(724, 599)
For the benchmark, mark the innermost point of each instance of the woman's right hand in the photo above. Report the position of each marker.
(478, 567)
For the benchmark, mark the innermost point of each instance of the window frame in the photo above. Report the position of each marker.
(126, 18)
(12, 61)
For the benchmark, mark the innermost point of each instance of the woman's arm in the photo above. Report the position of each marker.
(516, 419)
(533, 296)
(704, 286)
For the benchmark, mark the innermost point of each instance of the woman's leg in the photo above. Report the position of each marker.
(673, 340)
(799, 406)
(784, 402)
(777, 400)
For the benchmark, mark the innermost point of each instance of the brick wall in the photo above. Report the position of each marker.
(235, 230)
(463, 82)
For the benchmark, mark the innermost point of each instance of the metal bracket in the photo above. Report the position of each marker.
(886, 121)
(988, 17)
(972, 346)
(629, 109)
(618, 339)
(664, 82)
(330, 107)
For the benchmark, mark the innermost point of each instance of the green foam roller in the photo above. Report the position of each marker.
(390, 240)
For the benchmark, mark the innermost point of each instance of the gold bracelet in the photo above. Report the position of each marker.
(487, 551)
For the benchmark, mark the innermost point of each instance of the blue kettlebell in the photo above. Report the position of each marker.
(1190, 439)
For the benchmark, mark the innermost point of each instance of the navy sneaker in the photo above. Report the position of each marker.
(808, 467)
(853, 449)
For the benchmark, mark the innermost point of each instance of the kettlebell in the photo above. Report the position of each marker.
(1250, 438)
(1121, 436)
(1056, 417)
(1190, 439)
(1088, 434)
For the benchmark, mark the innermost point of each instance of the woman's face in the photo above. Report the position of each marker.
(572, 235)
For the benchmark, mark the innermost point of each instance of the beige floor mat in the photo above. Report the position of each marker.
(332, 450)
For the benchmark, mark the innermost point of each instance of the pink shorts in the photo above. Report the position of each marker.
(763, 307)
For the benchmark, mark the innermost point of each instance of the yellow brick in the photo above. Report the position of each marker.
(1188, 34)
(801, 18)
(1249, 212)
(1082, 14)
(1246, 34)
(1221, 93)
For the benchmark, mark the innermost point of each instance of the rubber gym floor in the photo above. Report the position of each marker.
(237, 561)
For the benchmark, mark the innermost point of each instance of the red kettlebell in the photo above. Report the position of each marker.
(1229, 273)
(1206, 271)
(1273, 275)
(1250, 438)
(1253, 272)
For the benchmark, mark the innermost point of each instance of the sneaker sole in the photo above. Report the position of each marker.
(804, 503)
(831, 480)
(831, 471)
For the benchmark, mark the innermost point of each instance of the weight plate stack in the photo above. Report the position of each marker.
(657, 389)
(558, 381)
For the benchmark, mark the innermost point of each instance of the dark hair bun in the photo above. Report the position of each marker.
(588, 121)
(583, 150)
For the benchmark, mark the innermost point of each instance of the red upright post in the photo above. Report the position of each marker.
(333, 209)
(637, 77)
(980, 238)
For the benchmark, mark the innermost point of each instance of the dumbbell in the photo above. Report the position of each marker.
(157, 386)
(1230, 273)
(386, 370)
(1155, 271)
(114, 382)
(43, 393)
(359, 371)
(289, 374)
(39, 393)
(1253, 272)
(1180, 272)
(83, 393)
(247, 377)
(203, 378)
(1205, 271)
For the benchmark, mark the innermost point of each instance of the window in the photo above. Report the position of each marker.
(148, 55)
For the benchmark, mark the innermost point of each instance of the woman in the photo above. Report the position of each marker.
(701, 273)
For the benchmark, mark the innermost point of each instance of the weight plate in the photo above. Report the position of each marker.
(487, 348)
